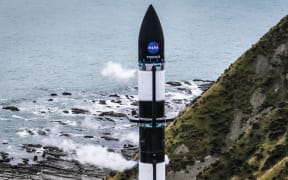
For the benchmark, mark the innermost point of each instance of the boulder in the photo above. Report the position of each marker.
(79, 111)
(67, 94)
(11, 108)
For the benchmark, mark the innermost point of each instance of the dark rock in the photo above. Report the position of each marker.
(188, 91)
(53, 94)
(112, 114)
(34, 101)
(110, 150)
(67, 94)
(174, 83)
(65, 135)
(66, 112)
(93, 101)
(109, 119)
(42, 112)
(129, 151)
(88, 137)
(79, 111)
(103, 102)
(201, 80)
(54, 151)
(133, 113)
(30, 132)
(108, 138)
(11, 108)
(116, 101)
(25, 160)
(32, 145)
(60, 122)
(187, 82)
(50, 99)
(114, 95)
(106, 133)
(41, 133)
(135, 103)
(35, 158)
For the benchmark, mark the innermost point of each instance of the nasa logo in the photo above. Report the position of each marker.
(153, 47)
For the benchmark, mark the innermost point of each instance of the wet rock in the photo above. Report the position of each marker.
(112, 114)
(134, 113)
(54, 151)
(65, 135)
(106, 133)
(50, 100)
(116, 101)
(59, 122)
(25, 160)
(103, 102)
(30, 132)
(42, 112)
(35, 158)
(79, 111)
(53, 94)
(11, 108)
(88, 137)
(110, 150)
(65, 111)
(108, 138)
(129, 151)
(187, 82)
(135, 103)
(114, 95)
(53, 168)
(41, 133)
(109, 119)
(34, 101)
(30, 148)
(5, 142)
(188, 91)
(174, 83)
(67, 94)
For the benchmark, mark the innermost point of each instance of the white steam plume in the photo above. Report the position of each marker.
(117, 72)
(92, 154)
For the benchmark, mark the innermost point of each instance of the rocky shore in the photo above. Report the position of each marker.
(44, 161)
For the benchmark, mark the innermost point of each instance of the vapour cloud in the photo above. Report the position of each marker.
(117, 72)
(92, 154)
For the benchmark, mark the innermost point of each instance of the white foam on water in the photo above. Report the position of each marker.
(130, 136)
(88, 123)
(23, 133)
(117, 72)
(92, 154)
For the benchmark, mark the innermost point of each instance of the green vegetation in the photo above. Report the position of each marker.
(249, 102)
(255, 85)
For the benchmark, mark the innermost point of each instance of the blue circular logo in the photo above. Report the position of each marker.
(153, 47)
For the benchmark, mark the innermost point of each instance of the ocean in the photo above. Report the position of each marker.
(89, 49)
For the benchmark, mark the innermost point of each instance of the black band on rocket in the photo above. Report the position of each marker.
(145, 109)
(152, 144)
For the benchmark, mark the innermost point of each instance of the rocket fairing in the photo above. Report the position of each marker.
(151, 96)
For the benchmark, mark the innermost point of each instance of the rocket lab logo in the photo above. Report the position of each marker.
(153, 47)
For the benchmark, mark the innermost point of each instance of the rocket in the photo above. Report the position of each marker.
(151, 96)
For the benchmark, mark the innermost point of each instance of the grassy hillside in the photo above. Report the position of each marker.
(241, 121)
(242, 118)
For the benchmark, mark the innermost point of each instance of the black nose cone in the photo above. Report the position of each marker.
(151, 27)
(151, 40)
